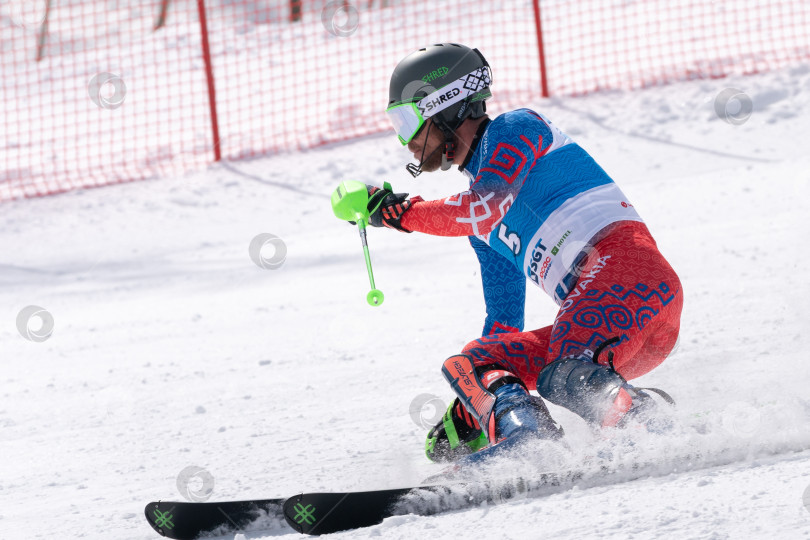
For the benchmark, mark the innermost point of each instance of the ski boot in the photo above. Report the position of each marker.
(493, 412)
(599, 394)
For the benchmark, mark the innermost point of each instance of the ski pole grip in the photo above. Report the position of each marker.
(350, 201)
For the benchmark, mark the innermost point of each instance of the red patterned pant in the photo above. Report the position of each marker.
(626, 289)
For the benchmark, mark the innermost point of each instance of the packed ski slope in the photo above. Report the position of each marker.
(172, 349)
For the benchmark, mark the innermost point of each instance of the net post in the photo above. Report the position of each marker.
(42, 35)
(209, 75)
(541, 53)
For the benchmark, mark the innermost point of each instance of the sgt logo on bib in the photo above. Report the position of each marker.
(535, 271)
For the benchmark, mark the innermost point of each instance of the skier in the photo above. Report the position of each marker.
(538, 208)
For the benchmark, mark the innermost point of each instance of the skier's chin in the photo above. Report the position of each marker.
(433, 164)
(428, 168)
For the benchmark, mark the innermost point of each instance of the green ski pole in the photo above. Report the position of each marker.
(350, 203)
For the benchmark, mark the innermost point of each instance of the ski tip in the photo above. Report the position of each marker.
(297, 515)
(159, 516)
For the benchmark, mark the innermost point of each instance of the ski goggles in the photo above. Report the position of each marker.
(408, 118)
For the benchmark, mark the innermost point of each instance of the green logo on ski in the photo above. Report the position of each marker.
(164, 519)
(305, 514)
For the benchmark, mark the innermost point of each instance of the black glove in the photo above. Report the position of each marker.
(385, 208)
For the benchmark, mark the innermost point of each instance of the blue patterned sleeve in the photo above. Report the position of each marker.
(504, 290)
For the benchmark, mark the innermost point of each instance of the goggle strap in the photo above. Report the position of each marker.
(453, 93)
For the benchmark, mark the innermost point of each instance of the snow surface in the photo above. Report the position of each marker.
(171, 348)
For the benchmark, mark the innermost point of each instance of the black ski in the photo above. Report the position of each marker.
(189, 520)
(324, 513)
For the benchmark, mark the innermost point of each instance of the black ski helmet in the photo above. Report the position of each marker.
(431, 68)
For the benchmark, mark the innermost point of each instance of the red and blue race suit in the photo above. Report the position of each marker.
(540, 208)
